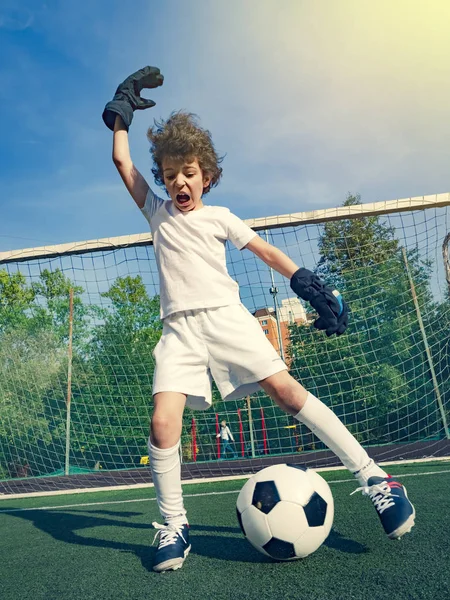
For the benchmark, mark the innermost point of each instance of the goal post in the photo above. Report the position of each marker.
(90, 349)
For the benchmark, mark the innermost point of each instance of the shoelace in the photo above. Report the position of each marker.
(167, 534)
(380, 494)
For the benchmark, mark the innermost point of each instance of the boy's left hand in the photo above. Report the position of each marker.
(332, 308)
(127, 98)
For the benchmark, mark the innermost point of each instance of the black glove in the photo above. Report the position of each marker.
(328, 302)
(127, 97)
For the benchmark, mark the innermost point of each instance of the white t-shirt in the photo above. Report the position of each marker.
(225, 433)
(190, 254)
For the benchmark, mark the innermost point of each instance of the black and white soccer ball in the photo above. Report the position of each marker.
(286, 511)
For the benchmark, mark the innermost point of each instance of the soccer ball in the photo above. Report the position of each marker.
(286, 511)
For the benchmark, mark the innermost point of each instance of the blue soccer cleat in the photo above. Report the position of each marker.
(389, 497)
(173, 546)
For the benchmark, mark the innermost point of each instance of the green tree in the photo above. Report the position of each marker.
(16, 298)
(52, 308)
(30, 368)
(375, 376)
(34, 329)
(112, 391)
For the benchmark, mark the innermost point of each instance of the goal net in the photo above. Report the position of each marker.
(79, 322)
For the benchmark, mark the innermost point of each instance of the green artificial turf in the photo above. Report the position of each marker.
(104, 550)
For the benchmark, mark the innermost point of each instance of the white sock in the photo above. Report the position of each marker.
(328, 428)
(166, 474)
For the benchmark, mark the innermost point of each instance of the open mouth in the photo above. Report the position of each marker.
(183, 199)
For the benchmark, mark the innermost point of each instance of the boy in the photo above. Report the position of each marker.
(225, 435)
(206, 329)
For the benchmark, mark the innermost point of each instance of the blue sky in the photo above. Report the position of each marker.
(308, 100)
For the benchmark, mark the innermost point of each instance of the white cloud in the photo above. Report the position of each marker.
(308, 100)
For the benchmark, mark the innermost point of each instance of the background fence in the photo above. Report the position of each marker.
(76, 374)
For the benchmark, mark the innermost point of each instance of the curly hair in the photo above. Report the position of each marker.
(180, 137)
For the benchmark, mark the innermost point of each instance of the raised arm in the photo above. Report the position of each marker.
(132, 178)
(118, 115)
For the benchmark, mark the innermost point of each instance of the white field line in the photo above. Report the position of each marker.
(137, 486)
(13, 510)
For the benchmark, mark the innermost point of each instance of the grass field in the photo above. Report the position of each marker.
(99, 546)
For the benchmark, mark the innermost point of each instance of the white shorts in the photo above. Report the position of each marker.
(226, 343)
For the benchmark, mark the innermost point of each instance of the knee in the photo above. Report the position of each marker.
(282, 389)
(165, 429)
(160, 422)
(290, 395)
(283, 392)
(164, 421)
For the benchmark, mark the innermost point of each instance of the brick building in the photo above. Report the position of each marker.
(290, 311)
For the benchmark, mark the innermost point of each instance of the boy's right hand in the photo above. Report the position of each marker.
(127, 98)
